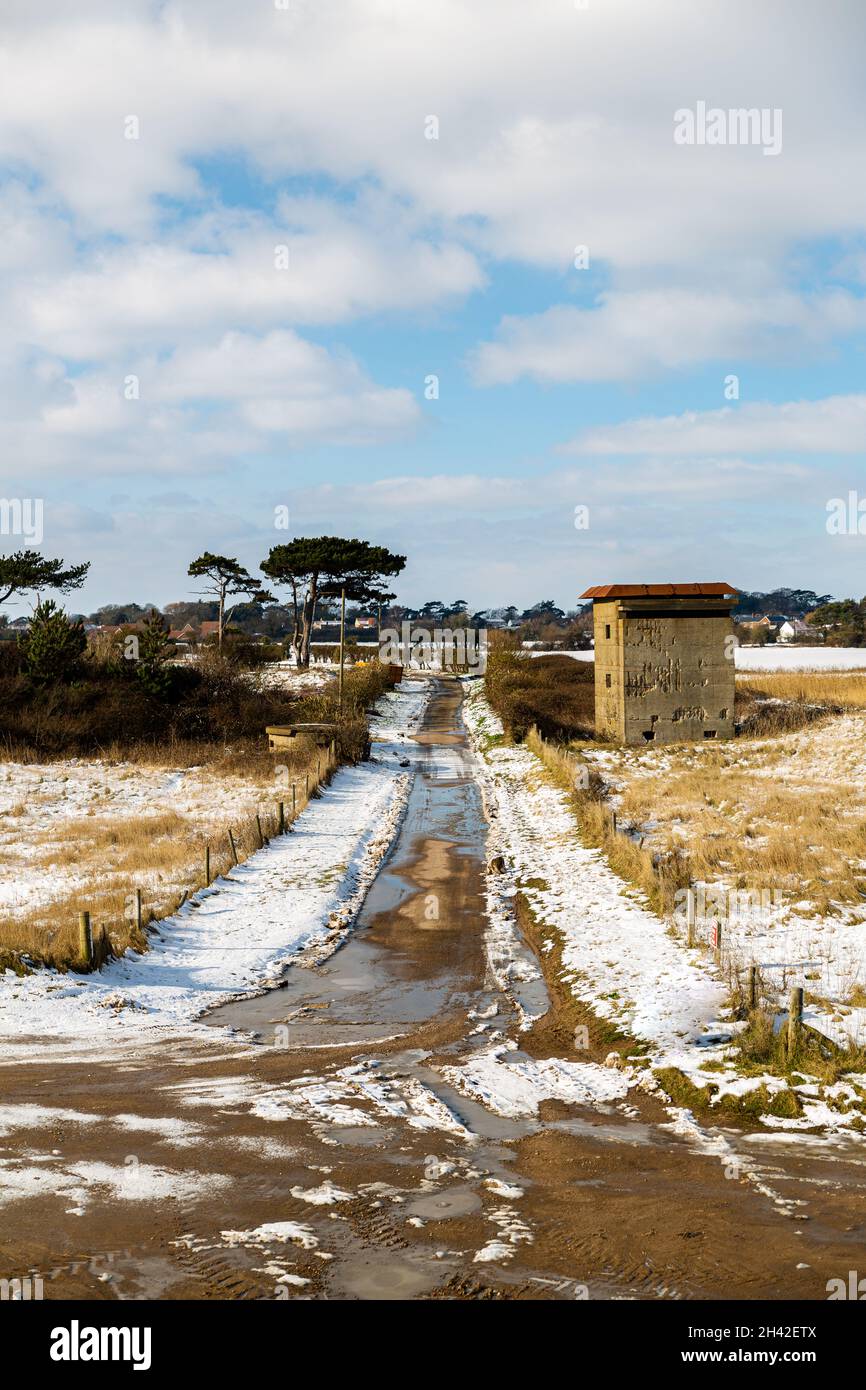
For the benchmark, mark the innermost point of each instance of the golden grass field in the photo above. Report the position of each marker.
(94, 858)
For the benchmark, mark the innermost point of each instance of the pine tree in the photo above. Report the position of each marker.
(53, 647)
(153, 651)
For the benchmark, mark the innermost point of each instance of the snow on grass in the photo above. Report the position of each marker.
(514, 1086)
(300, 890)
(823, 950)
(618, 955)
(773, 657)
(43, 806)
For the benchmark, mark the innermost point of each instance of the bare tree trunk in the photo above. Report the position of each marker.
(296, 629)
(222, 616)
(307, 623)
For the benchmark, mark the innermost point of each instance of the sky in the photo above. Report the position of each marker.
(459, 278)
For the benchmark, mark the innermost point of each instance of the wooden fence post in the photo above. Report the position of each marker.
(234, 847)
(753, 986)
(795, 1017)
(613, 821)
(690, 915)
(306, 784)
(85, 938)
(138, 908)
(207, 866)
(281, 818)
(294, 799)
(718, 930)
(259, 829)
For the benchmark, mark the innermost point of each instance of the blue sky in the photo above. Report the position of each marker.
(152, 260)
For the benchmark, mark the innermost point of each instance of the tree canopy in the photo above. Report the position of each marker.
(226, 577)
(311, 566)
(29, 572)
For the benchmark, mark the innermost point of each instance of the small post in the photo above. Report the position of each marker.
(613, 821)
(342, 643)
(259, 829)
(690, 915)
(282, 818)
(207, 866)
(718, 942)
(85, 938)
(234, 847)
(294, 799)
(795, 1018)
(307, 785)
(753, 986)
(138, 908)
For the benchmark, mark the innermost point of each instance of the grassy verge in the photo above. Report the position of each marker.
(100, 857)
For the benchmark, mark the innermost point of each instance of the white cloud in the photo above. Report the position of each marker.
(200, 408)
(556, 125)
(834, 425)
(227, 269)
(638, 333)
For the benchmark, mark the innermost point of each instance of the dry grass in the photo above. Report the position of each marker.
(554, 694)
(162, 853)
(106, 855)
(755, 833)
(658, 873)
(832, 689)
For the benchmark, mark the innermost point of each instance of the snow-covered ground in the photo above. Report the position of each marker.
(42, 805)
(825, 953)
(618, 955)
(622, 960)
(774, 657)
(299, 890)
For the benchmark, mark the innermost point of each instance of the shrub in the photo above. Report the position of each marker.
(53, 647)
(154, 649)
(554, 693)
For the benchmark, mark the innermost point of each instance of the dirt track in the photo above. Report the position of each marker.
(611, 1202)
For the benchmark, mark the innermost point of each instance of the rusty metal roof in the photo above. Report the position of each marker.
(714, 590)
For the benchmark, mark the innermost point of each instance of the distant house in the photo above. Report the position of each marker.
(209, 628)
(365, 622)
(792, 628)
(187, 633)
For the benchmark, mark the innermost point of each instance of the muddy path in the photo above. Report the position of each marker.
(320, 1150)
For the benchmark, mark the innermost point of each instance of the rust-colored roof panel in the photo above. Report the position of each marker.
(659, 590)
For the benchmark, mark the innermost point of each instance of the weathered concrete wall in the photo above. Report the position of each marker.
(609, 714)
(678, 682)
(662, 678)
